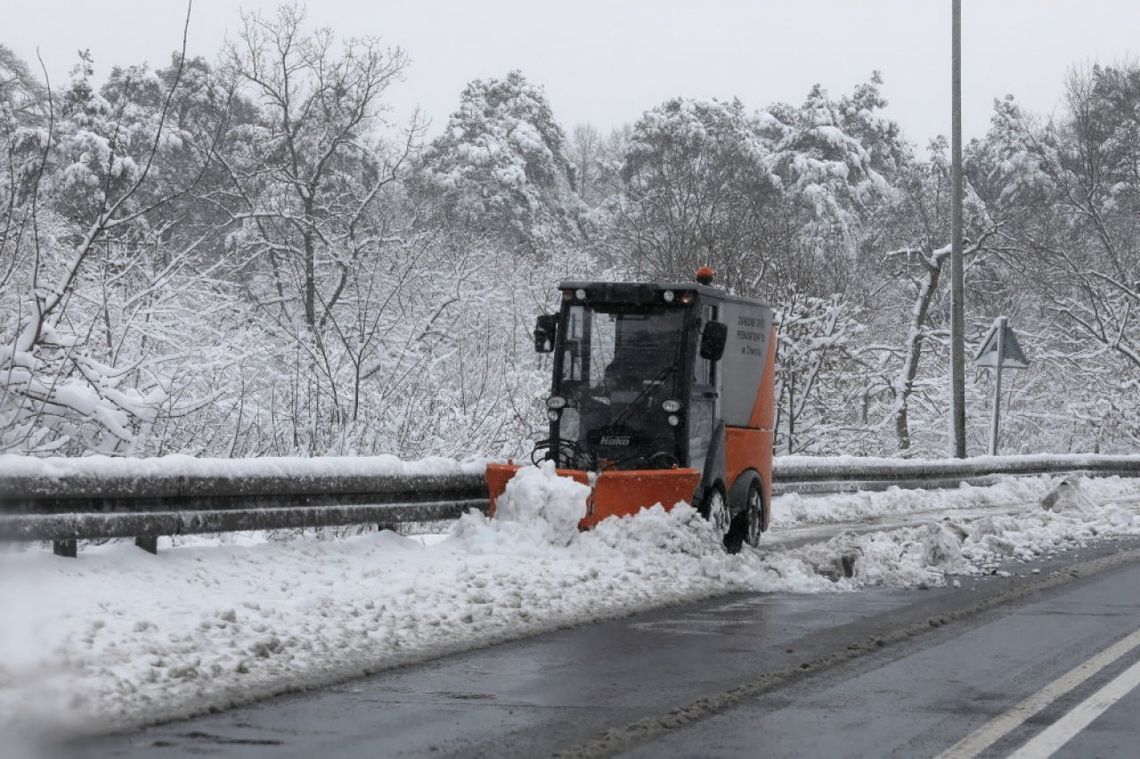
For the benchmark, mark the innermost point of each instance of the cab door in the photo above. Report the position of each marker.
(704, 400)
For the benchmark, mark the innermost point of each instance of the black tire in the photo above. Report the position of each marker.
(746, 526)
(754, 508)
(714, 508)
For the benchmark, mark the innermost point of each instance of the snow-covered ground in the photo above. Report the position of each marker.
(119, 637)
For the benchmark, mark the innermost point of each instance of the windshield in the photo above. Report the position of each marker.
(618, 365)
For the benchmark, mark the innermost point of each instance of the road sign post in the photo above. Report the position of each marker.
(1000, 325)
(999, 349)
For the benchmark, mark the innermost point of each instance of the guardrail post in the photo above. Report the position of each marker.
(66, 548)
(148, 543)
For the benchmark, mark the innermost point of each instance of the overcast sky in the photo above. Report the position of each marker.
(606, 61)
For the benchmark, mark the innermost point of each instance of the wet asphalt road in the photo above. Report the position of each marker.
(913, 696)
(921, 697)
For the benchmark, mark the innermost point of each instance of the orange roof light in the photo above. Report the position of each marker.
(705, 275)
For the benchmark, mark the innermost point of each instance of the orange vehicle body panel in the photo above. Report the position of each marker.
(621, 493)
(764, 411)
(616, 492)
(751, 447)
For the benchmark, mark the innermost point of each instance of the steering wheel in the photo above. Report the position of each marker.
(662, 460)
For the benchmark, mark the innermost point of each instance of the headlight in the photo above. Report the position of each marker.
(552, 415)
(674, 420)
(580, 294)
(668, 296)
(671, 406)
(556, 402)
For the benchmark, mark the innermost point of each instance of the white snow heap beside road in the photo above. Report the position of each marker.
(119, 637)
(1067, 496)
(968, 531)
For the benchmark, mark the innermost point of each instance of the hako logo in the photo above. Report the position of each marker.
(614, 440)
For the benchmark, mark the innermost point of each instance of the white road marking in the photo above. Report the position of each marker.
(1065, 729)
(994, 730)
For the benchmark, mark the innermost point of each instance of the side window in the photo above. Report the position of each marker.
(572, 358)
(605, 330)
(704, 371)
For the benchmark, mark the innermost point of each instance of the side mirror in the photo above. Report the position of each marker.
(544, 329)
(713, 338)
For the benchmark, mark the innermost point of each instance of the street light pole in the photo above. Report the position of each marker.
(957, 312)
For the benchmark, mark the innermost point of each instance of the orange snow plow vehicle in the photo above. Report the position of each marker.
(662, 393)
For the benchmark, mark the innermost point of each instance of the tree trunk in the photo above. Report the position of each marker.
(905, 385)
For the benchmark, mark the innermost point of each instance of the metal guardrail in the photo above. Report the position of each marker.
(806, 469)
(66, 506)
(841, 475)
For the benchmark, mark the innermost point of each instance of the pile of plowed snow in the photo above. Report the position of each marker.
(794, 510)
(119, 637)
(1066, 515)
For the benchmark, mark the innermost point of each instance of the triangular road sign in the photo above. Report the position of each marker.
(1012, 355)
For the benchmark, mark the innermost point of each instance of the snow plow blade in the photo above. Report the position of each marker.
(615, 492)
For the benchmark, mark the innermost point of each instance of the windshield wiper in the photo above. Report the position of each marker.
(656, 381)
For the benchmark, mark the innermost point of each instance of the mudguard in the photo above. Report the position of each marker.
(713, 471)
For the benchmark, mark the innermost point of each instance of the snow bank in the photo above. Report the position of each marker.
(1064, 516)
(119, 637)
(793, 510)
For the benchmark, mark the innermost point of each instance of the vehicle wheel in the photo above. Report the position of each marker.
(754, 510)
(745, 526)
(715, 509)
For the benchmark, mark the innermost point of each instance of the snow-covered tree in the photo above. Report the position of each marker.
(1068, 192)
(306, 173)
(698, 189)
(904, 251)
(825, 164)
(818, 393)
(501, 168)
(309, 187)
(70, 236)
(246, 258)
